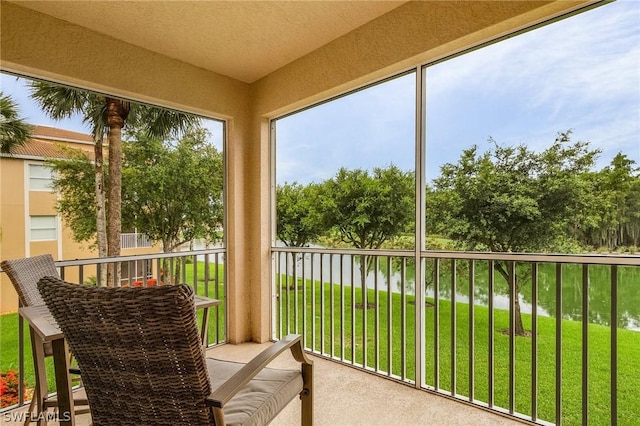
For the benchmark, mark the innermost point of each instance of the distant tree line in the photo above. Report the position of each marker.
(506, 199)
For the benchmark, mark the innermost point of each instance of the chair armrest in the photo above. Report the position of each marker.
(228, 389)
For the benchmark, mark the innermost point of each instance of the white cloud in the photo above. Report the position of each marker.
(581, 73)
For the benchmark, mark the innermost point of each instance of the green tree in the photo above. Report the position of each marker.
(633, 208)
(14, 131)
(74, 180)
(588, 210)
(369, 209)
(511, 199)
(618, 185)
(300, 219)
(609, 215)
(173, 193)
(106, 117)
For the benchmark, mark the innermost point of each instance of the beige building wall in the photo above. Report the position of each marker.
(12, 224)
(72, 250)
(408, 36)
(17, 204)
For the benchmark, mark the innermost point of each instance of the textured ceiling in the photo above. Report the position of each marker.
(245, 40)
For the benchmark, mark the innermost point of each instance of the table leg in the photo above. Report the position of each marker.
(41, 391)
(205, 326)
(63, 382)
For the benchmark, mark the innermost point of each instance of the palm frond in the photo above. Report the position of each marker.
(160, 122)
(58, 101)
(95, 117)
(64, 102)
(14, 131)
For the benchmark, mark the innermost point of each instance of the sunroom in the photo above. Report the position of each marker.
(254, 66)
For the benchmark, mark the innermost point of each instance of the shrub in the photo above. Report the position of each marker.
(10, 389)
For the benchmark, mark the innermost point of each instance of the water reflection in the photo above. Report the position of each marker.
(387, 273)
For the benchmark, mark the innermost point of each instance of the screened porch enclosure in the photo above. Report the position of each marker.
(417, 322)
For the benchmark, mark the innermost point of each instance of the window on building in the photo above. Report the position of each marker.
(43, 228)
(40, 178)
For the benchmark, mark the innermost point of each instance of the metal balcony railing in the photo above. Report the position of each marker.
(573, 362)
(135, 240)
(203, 270)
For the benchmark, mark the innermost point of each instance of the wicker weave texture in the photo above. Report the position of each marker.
(25, 273)
(138, 349)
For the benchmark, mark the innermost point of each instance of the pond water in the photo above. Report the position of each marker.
(343, 269)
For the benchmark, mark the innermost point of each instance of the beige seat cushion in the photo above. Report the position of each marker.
(261, 399)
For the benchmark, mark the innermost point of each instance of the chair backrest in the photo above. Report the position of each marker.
(138, 349)
(25, 273)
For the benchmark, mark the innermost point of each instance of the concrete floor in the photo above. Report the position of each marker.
(345, 396)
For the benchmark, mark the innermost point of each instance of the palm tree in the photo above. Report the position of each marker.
(107, 116)
(14, 131)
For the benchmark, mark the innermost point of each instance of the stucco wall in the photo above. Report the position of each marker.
(414, 33)
(14, 213)
(12, 225)
(17, 203)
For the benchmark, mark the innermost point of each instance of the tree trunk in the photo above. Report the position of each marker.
(117, 112)
(520, 331)
(165, 276)
(363, 275)
(176, 271)
(519, 328)
(101, 230)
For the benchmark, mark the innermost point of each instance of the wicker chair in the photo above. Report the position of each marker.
(24, 275)
(142, 360)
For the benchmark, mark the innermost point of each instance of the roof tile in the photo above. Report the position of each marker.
(49, 142)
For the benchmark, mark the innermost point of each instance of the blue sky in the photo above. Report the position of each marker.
(582, 73)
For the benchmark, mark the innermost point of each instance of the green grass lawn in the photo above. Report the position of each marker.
(9, 354)
(336, 313)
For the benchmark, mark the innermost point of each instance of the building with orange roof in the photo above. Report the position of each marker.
(29, 222)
